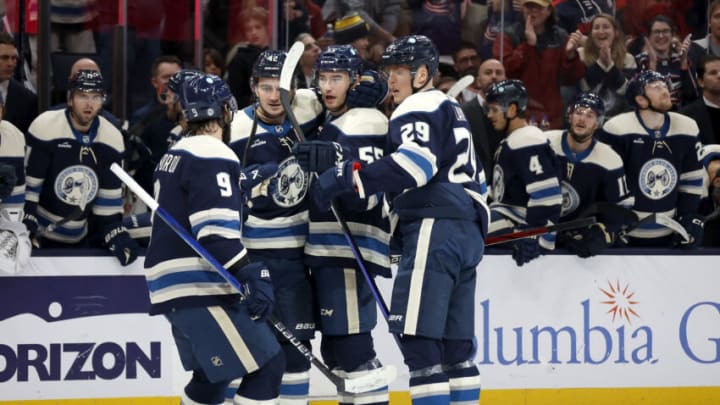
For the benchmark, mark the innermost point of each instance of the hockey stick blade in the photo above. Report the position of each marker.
(291, 60)
(562, 226)
(200, 250)
(675, 226)
(460, 85)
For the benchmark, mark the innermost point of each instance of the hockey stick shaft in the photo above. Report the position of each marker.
(460, 85)
(285, 83)
(195, 245)
(562, 226)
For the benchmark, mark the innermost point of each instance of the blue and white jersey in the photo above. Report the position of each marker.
(363, 132)
(430, 169)
(197, 183)
(526, 185)
(277, 224)
(12, 152)
(593, 175)
(68, 169)
(662, 166)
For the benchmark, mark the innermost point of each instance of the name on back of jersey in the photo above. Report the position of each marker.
(168, 163)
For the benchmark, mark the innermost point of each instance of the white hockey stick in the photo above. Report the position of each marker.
(460, 85)
(667, 222)
(378, 378)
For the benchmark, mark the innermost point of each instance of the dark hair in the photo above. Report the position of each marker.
(6, 38)
(164, 59)
(663, 19)
(703, 64)
(216, 59)
(463, 45)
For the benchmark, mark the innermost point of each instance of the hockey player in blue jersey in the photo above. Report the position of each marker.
(526, 188)
(219, 337)
(68, 174)
(347, 307)
(590, 172)
(277, 218)
(436, 188)
(660, 151)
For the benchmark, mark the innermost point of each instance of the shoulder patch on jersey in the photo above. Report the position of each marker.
(682, 125)
(362, 121)
(54, 119)
(424, 101)
(306, 106)
(206, 147)
(624, 124)
(13, 140)
(525, 137)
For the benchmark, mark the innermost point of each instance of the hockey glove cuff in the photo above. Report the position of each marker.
(120, 244)
(8, 179)
(259, 295)
(253, 175)
(333, 182)
(318, 156)
(369, 93)
(695, 227)
(526, 250)
(589, 241)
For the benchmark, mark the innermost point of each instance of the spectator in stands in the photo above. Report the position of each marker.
(501, 13)
(299, 16)
(71, 26)
(667, 55)
(590, 173)
(352, 29)
(69, 182)
(381, 15)
(485, 138)
(151, 122)
(576, 15)
(660, 151)
(706, 109)
(240, 66)
(213, 62)
(444, 83)
(306, 71)
(466, 62)
(543, 56)
(439, 20)
(20, 103)
(710, 44)
(608, 65)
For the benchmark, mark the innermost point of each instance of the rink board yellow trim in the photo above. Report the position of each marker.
(585, 396)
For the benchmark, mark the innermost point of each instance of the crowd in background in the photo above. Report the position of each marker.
(557, 48)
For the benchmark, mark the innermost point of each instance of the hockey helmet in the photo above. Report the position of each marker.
(205, 97)
(636, 86)
(181, 76)
(339, 58)
(591, 101)
(87, 81)
(413, 51)
(269, 64)
(506, 92)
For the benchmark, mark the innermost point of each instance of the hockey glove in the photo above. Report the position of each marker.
(7, 179)
(525, 250)
(253, 175)
(589, 241)
(318, 156)
(369, 93)
(694, 226)
(119, 243)
(333, 182)
(259, 295)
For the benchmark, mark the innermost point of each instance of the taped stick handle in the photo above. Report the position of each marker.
(563, 226)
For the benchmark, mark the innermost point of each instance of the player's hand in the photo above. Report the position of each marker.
(120, 244)
(32, 225)
(589, 241)
(526, 250)
(253, 175)
(333, 182)
(695, 228)
(318, 156)
(259, 295)
(370, 92)
(8, 179)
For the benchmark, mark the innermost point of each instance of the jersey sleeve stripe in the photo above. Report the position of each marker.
(416, 163)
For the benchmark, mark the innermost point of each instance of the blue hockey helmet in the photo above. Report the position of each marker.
(269, 64)
(636, 86)
(339, 58)
(413, 51)
(506, 92)
(591, 101)
(87, 81)
(181, 76)
(206, 97)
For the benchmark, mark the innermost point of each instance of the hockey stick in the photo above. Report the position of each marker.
(460, 85)
(286, 75)
(353, 385)
(77, 212)
(562, 226)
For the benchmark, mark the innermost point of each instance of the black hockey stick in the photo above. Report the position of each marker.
(562, 226)
(381, 378)
(286, 76)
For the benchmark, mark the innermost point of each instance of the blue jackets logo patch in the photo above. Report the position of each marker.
(292, 183)
(657, 179)
(76, 185)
